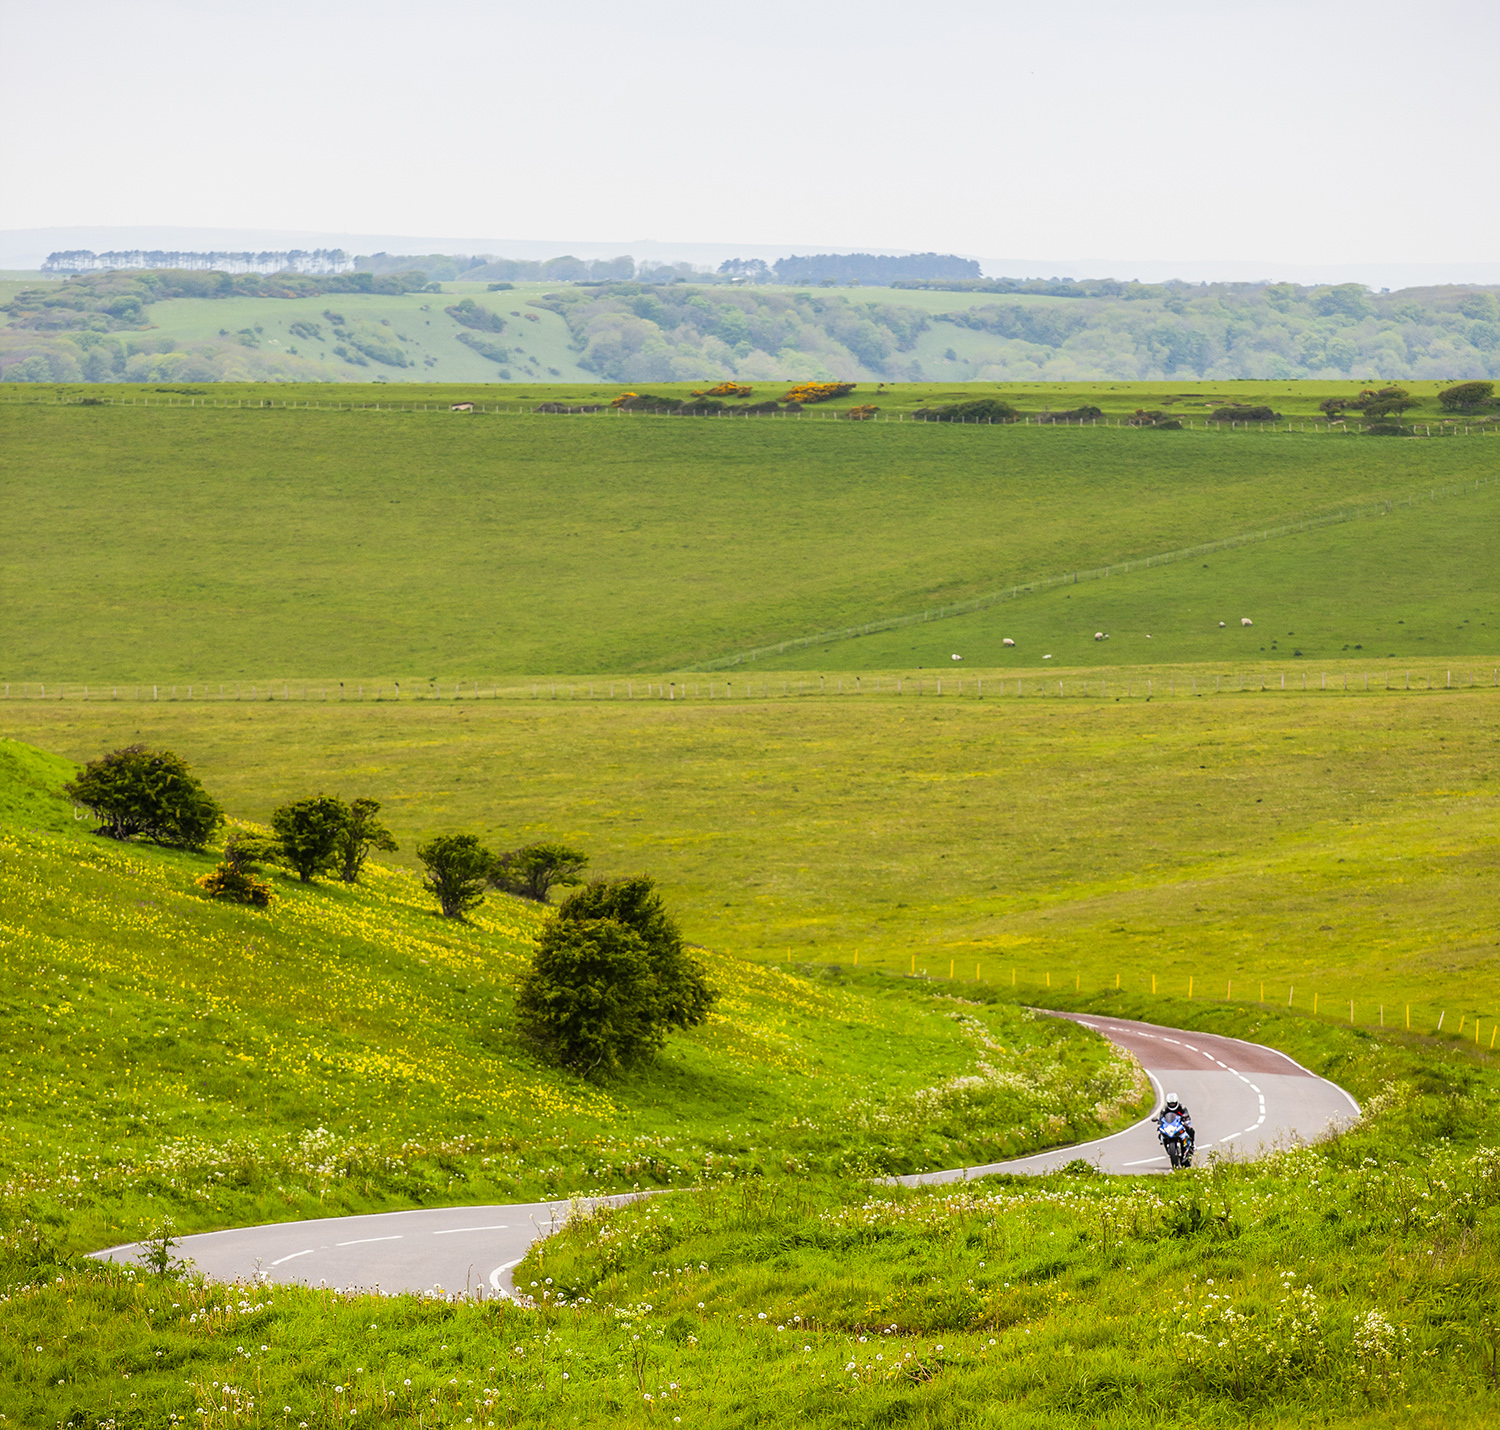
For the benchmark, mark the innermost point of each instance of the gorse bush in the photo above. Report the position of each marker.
(148, 792)
(236, 879)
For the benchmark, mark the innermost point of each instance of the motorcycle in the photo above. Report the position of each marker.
(1177, 1137)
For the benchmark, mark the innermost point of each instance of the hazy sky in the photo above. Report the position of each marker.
(1319, 130)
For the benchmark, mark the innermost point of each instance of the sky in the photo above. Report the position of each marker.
(1320, 131)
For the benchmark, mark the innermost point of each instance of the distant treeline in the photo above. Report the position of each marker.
(295, 260)
(872, 269)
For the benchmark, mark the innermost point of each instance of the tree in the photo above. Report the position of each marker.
(589, 1000)
(308, 832)
(458, 866)
(533, 871)
(684, 995)
(361, 832)
(134, 791)
(1466, 396)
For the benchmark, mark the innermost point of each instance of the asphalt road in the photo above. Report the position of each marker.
(1244, 1100)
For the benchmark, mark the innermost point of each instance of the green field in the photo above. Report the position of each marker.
(348, 1050)
(1342, 845)
(1286, 831)
(199, 545)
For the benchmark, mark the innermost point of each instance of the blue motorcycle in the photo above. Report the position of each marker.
(1177, 1137)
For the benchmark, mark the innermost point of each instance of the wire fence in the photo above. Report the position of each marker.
(1099, 573)
(1155, 685)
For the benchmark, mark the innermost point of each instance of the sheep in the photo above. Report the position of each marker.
(1221, 625)
(1008, 641)
(957, 657)
(1098, 635)
(1246, 621)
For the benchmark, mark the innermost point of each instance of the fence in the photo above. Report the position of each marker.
(1426, 1018)
(1119, 568)
(1154, 686)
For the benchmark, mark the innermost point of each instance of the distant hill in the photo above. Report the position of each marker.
(580, 319)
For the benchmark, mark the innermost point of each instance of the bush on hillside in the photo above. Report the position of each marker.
(645, 402)
(588, 1000)
(1243, 412)
(308, 833)
(724, 389)
(457, 866)
(865, 412)
(153, 793)
(1085, 413)
(686, 997)
(1162, 421)
(235, 878)
(807, 393)
(475, 315)
(981, 409)
(610, 980)
(360, 833)
(1369, 396)
(533, 872)
(1466, 396)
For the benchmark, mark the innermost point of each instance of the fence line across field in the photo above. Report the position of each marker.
(1150, 687)
(1343, 1008)
(1208, 424)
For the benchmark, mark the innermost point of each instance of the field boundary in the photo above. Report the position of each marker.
(1151, 684)
(506, 409)
(1071, 578)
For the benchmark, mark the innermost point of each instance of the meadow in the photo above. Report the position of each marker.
(199, 545)
(1325, 845)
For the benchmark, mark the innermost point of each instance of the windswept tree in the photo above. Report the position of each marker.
(360, 833)
(611, 979)
(458, 867)
(308, 832)
(534, 871)
(153, 793)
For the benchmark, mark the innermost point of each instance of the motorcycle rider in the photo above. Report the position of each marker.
(1174, 1107)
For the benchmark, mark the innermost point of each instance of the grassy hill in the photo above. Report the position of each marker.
(201, 545)
(349, 1049)
(346, 1050)
(1331, 846)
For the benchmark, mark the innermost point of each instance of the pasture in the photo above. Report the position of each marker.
(1337, 845)
(189, 544)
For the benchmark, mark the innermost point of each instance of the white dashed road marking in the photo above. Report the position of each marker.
(363, 1241)
(293, 1256)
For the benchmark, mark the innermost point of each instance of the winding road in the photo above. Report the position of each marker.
(1245, 1100)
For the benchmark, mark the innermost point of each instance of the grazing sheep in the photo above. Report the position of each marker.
(1098, 635)
(1221, 625)
(1246, 621)
(958, 657)
(1008, 641)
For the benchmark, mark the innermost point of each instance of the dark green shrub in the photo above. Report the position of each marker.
(1162, 421)
(532, 872)
(236, 879)
(981, 409)
(1466, 396)
(1085, 413)
(457, 866)
(1241, 412)
(308, 834)
(475, 315)
(685, 995)
(149, 792)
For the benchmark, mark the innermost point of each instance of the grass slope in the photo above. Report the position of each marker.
(1344, 846)
(349, 1049)
(202, 545)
